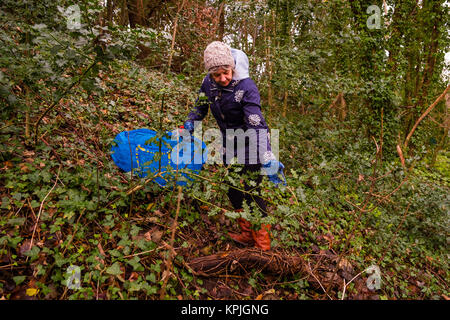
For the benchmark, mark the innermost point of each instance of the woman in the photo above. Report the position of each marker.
(234, 101)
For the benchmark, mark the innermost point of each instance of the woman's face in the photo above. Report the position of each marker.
(222, 76)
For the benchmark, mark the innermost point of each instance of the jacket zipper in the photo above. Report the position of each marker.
(220, 107)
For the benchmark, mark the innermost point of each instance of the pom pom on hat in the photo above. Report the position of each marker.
(217, 54)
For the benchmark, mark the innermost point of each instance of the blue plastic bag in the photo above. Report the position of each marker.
(132, 151)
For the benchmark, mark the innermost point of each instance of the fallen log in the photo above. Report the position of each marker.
(317, 268)
(274, 262)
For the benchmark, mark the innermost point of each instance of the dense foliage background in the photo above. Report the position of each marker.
(358, 90)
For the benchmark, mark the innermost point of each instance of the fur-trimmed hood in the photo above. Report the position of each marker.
(241, 64)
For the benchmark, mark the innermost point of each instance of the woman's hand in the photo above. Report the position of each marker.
(273, 168)
(189, 126)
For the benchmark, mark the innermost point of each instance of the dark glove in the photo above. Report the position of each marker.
(273, 169)
(189, 126)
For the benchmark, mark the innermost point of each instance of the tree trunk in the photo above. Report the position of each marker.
(124, 19)
(431, 59)
(221, 29)
(268, 67)
(27, 124)
(136, 12)
(109, 11)
(446, 125)
(175, 26)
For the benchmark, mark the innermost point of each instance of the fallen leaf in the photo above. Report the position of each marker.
(8, 164)
(24, 168)
(167, 273)
(344, 264)
(133, 276)
(100, 249)
(271, 291)
(156, 236)
(158, 213)
(25, 247)
(97, 267)
(329, 237)
(28, 153)
(32, 292)
(206, 250)
(152, 219)
(148, 235)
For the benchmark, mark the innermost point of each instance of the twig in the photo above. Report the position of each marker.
(141, 253)
(4, 127)
(231, 186)
(23, 203)
(74, 232)
(310, 271)
(396, 189)
(400, 154)
(360, 209)
(395, 234)
(98, 282)
(346, 284)
(174, 34)
(73, 84)
(139, 187)
(31, 208)
(40, 208)
(53, 150)
(171, 251)
(135, 188)
(64, 293)
(210, 203)
(424, 115)
(361, 212)
(290, 189)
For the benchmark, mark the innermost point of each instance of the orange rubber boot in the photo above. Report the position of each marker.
(245, 237)
(262, 237)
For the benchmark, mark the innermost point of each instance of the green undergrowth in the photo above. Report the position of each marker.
(66, 197)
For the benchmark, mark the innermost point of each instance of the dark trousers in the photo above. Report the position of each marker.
(237, 197)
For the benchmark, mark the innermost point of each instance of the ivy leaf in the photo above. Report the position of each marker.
(114, 269)
(232, 214)
(5, 203)
(19, 279)
(39, 27)
(33, 252)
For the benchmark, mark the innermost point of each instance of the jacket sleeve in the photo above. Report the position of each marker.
(254, 119)
(200, 110)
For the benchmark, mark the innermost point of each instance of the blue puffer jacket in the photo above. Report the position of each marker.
(236, 106)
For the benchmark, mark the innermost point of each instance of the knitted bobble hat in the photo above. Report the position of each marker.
(217, 54)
